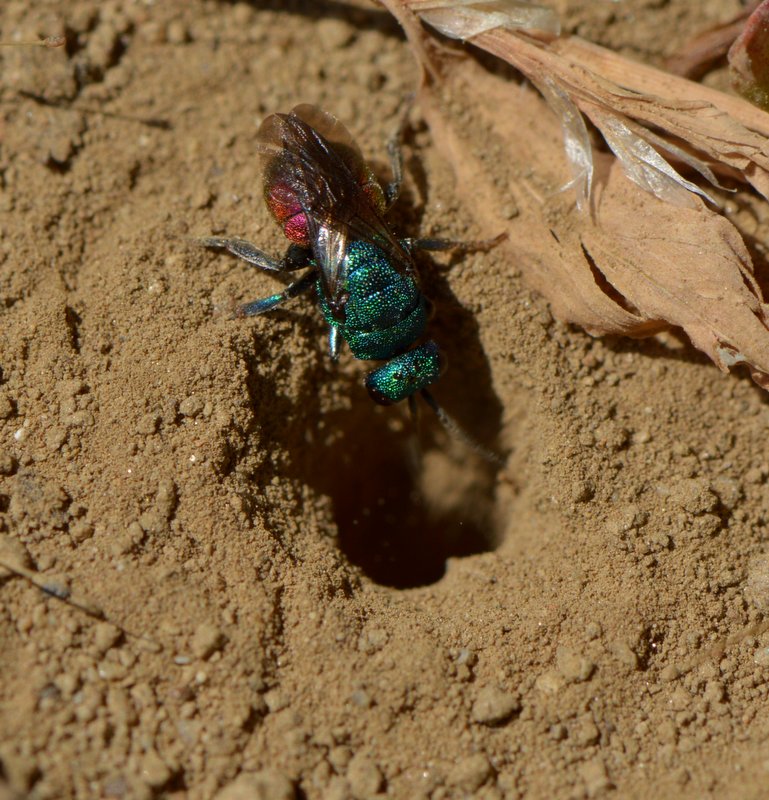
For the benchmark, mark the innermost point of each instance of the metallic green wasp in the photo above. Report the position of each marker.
(332, 209)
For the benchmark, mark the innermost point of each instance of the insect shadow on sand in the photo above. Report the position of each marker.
(406, 501)
(332, 208)
(406, 497)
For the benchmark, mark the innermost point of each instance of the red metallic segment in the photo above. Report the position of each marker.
(284, 206)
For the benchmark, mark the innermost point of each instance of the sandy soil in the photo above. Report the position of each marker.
(293, 606)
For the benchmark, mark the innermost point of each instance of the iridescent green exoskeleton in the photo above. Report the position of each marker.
(332, 209)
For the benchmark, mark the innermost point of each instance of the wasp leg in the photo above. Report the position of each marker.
(256, 307)
(414, 447)
(296, 256)
(473, 246)
(395, 152)
(333, 343)
(453, 427)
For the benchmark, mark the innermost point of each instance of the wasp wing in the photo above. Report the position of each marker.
(316, 172)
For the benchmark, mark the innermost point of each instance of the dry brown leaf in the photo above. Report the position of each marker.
(637, 265)
(749, 58)
(688, 267)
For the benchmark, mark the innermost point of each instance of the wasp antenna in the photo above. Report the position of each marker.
(414, 448)
(456, 430)
(49, 41)
(413, 409)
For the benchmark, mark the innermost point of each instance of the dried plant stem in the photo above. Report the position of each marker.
(49, 41)
(54, 589)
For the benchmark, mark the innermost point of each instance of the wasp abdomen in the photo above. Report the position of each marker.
(282, 202)
(406, 374)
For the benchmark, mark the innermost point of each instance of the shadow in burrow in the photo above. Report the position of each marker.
(406, 496)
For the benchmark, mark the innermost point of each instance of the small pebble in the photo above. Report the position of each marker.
(695, 496)
(177, 33)
(585, 733)
(80, 531)
(242, 14)
(122, 542)
(625, 654)
(154, 771)
(641, 437)
(714, 692)
(372, 640)
(201, 197)
(669, 673)
(268, 784)
(116, 786)
(67, 684)
(276, 700)
(510, 211)
(14, 553)
(361, 699)
(7, 463)
(61, 145)
(153, 521)
(105, 636)
(593, 630)
(667, 732)
(470, 773)
(680, 699)
(6, 406)
(166, 499)
(593, 773)
(70, 387)
(111, 671)
(55, 437)
(80, 419)
(337, 789)
(581, 491)
(493, 706)
(333, 34)
(148, 424)
(757, 582)
(206, 640)
(549, 682)
(339, 757)
(558, 732)
(191, 406)
(574, 667)
(364, 777)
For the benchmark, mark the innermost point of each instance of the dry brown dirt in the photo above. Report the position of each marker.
(295, 604)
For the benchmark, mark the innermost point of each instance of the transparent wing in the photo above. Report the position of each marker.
(320, 189)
